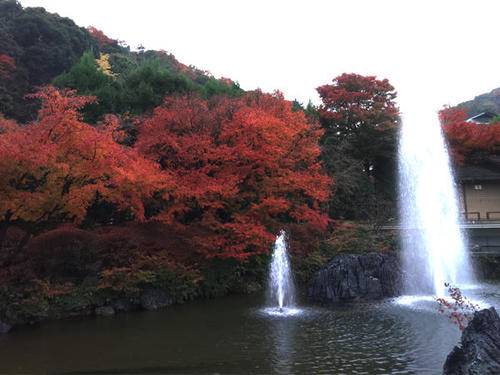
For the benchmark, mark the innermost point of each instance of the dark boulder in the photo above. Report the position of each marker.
(105, 311)
(479, 349)
(156, 298)
(357, 277)
(124, 305)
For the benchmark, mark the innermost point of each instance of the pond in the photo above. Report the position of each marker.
(234, 335)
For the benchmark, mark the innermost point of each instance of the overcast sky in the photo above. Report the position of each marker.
(434, 52)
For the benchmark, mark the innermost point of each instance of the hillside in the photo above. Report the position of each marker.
(482, 103)
(39, 48)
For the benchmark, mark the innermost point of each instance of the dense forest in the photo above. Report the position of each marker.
(124, 171)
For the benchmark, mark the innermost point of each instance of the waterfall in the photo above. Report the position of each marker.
(281, 287)
(434, 250)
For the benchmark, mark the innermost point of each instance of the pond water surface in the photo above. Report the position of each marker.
(234, 335)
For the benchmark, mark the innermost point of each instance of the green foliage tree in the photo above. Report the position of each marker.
(214, 87)
(122, 63)
(136, 90)
(360, 119)
(88, 80)
(145, 87)
(43, 45)
(140, 83)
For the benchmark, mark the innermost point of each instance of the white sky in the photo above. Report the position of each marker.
(434, 52)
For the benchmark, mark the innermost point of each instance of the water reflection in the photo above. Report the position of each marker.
(233, 335)
(367, 338)
(283, 334)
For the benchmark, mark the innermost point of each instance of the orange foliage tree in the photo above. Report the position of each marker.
(100, 37)
(241, 169)
(53, 169)
(469, 142)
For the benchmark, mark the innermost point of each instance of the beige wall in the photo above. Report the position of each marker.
(480, 197)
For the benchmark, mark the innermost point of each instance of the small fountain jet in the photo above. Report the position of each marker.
(281, 287)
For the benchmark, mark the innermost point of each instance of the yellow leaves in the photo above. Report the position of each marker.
(104, 66)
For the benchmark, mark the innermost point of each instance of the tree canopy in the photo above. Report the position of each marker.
(360, 121)
(469, 143)
(42, 45)
(54, 169)
(240, 167)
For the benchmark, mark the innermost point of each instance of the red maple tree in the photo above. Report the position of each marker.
(53, 169)
(469, 142)
(461, 310)
(240, 169)
(360, 110)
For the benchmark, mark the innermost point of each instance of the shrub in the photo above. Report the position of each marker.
(346, 238)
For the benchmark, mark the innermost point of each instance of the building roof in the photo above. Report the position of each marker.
(482, 118)
(487, 171)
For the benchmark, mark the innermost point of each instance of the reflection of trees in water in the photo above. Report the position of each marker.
(283, 332)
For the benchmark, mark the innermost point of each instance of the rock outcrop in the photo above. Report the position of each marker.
(479, 349)
(155, 298)
(357, 277)
(105, 311)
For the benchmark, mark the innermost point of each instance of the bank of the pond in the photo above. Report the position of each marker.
(70, 278)
(39, 300)
(233, 335)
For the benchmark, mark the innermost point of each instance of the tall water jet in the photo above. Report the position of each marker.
(281, 287)
(434, 250)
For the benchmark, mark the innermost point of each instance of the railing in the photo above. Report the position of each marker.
(466, 215)
(488, 215)
(476, 216)
(470, 221)
(486, 250)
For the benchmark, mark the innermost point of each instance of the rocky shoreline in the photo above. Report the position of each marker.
(84, 302)
(479, 349)
(346, 277)
(149, 300)
(375, 276)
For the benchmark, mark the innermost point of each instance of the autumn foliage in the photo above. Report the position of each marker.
(52, 170)
(362, 110)
(227, 173)
(239, 168)
(202, 191)
(459, 310)
(469, 142)
(100, 37)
